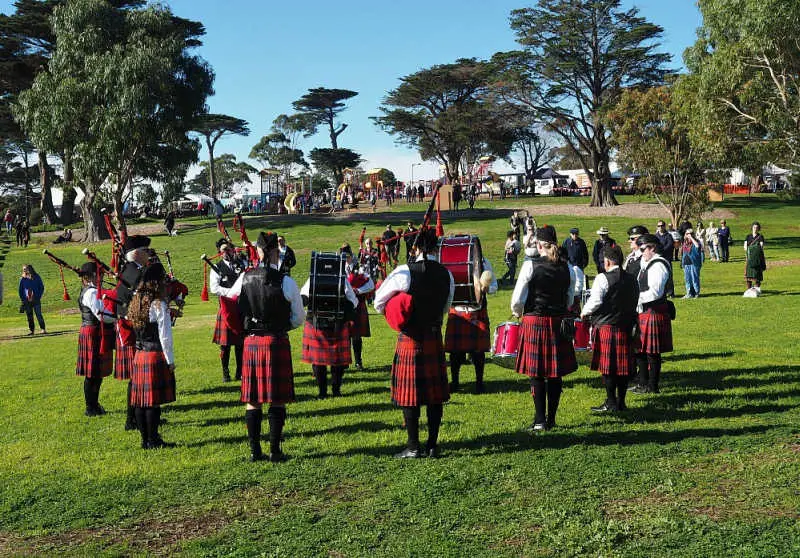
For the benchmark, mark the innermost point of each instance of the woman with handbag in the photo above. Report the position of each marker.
(543, 291)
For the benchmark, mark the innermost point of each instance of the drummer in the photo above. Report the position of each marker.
(468, 331)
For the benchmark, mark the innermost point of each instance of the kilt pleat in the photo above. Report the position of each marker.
(152, 382)
(223, 335)
(360, 326)
(612, 352)
(467, 331)
(326, 347)
(542, 354)
(267, 375)
(655, 331)
(123, 361)
(419, 372)
(91, 362)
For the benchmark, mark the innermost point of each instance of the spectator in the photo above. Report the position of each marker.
(65, 236)
(676, 243)
(725, 240)
(691, 261)
(409, 234)
(169, 224)
(516, 224)
(391, 242)
(577, 257)
(599, 244)
(23, 232)
(665, 241)
(700, 236)
(286, 258)
(31, 289)
(8, 221)
(712, 241)
(754, 258)
(511, 252)
(421, 192)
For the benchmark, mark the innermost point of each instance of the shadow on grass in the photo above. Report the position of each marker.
(697, 356)
(731, 377)
(345, 409)
(36, 335)
(224, 388)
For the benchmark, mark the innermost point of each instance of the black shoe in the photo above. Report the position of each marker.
(535, 427)
(605, 408)
(409, 454)
(453, 387)
(359, 365)
(238, 377)
(641, 390)
(479, 388)
(99, 410)
(130, 425)
(622, 407)
(255, 457)
(278, 457)
(550, 424)
(90, 412)
(159, 443)
(634, 386)
(226, 379)
(433, 452)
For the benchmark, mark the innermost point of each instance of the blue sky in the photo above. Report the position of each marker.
(268, 53)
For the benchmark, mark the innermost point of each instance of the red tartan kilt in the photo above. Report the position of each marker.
(612, 351)
(326, 347)
(542, 354)
(92, 363)
(419, 372)
(267, 375)
(467, 332)
(360, 327)
(223, 335)
(655, 331)
(123, 360)
(152, 382)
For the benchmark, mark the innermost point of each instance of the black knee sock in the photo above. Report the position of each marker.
(253, 418)
(611, 389)
(141, 422)
(554, 387)
(479, 360)
(321, 374)
(337, 373)
(277, 418)
(88, 393)
(434, 413)
(411, 416)
(152, 416)
(455, 367)
(643, 378)
(539, 399)
(97, 383)
(239, 353)
(654, 364)
(225, 359)
(131, 418)
(357, 346)
(622, 389)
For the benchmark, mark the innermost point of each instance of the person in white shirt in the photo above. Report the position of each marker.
(712, 241)
(153, 375)
(655, 325)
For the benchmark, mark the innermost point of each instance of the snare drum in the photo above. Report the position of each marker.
(505, 344)
(326, 297)
(462, 256)
(582, 341)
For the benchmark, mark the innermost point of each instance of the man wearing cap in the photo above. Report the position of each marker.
(270, 305)
(633, 261)
(577, 256)
(612, 308)
(599, 244)
(655, 326)
(95, 357)
(286, 257)
(391, 243)
(725, 240)
(419, 372)
(137, 255)
(664, 240)
(221, 280)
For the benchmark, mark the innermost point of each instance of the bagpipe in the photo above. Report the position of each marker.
(248, 250)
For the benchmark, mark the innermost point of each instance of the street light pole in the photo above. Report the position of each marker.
(412, 172)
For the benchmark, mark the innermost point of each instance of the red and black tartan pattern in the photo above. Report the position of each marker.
(612, 351)
(542, 354)
(327, 347)
(419, 372)
(91, 363)
(360, 327)
(223, 335)
(267, 375)
(467, 332)
(655, 331)
(152, 382)
(123, 360)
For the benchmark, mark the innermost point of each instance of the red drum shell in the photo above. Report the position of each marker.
(463, 257)
(582, 340)
(505, 345)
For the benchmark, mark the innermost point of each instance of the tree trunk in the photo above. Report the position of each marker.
(46, 180)
(93, 228)
(69, 193)
(602, 194)
(211, 174)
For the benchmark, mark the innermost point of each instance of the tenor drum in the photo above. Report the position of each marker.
(505, 345)
(462, 256)
(326, 298)
(582, 340)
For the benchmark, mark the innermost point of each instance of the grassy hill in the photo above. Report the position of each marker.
(708, 467)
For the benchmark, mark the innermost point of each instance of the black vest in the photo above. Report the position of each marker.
(131, 274)
(619, 304)
(643, 286)
(87, 317)
(429, 290)
(633, 266)
(262, 304)
(147, 339)
(548, 289)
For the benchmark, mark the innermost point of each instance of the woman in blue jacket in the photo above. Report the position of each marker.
(31, 289)
(691, 261)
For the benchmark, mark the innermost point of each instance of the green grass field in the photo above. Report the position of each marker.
(708, 467)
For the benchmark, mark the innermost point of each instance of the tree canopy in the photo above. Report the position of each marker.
(577, 57)
(212, 127)
(321, 106)
(230, 174)
(447, 113)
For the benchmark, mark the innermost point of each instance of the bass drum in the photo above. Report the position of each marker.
(462, 256)
(326, 300)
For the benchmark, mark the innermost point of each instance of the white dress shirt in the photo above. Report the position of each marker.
(159, 313)
(349, 293)
(598, 292)
(90, 300)
(520, 294)
(656, 281)
(399, 281)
